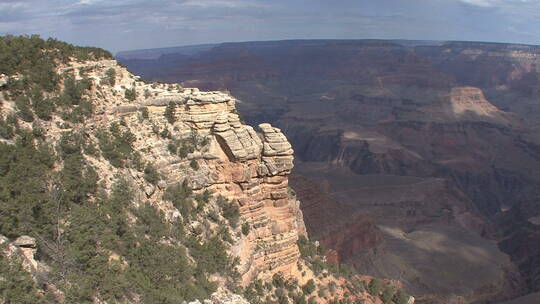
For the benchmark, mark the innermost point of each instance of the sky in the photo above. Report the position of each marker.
(138, 24)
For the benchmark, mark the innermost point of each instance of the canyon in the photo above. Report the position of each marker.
(414, 161)
(146, 192)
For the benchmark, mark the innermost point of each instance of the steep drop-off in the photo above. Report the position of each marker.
(444, 132)
(113, 190)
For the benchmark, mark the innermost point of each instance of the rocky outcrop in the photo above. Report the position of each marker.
(223, 298)
(462, 114)
(250, 169)
(470, 103)
(225, 158)
(3, 80)
(23, 248)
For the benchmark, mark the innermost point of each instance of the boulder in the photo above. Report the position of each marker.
(25, 242)
(3, 80)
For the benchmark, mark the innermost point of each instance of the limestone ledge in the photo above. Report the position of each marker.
(249, 168)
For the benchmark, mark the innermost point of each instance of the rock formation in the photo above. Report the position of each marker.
(461, 116)
(23, 248)
(249, 170)
(471, 101)
(168, 172)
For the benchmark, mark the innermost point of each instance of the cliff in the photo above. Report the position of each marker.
(249, 169)
(141, 192)
(404, 140)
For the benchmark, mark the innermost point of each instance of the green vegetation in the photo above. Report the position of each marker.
(97, 248)
(75, 108)
(43, 107)
(130, 94)
(401, 297)
(144, 113)
(229, 211)
(116, 145)
(245, 228)
(309, 287)
(23, 108)
(307, 249)
(179, 195)
(110, 77)
(183, 146)
(169, 112)
(16, 285)
(151, 175)
(7, 127)
(388, 294)
(24, 200)
(102, 241)
(375, 287)
(34, 84)
(34, 59)
(194, 164)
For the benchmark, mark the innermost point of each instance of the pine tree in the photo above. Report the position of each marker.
(169, 112)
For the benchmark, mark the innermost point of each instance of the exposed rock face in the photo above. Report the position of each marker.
(223, 298)
(248, 169)
(355, 232)
(461, 116)
(470, 100)
(3, 80)
(23, 248)
(521, 231)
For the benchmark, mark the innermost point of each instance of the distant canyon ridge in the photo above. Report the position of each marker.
(416, 160)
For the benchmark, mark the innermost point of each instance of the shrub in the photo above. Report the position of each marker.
(151, 175)
(16, 286)
(144, 113)
(110, 77)
(400, 297)
(43, 107)
(116, 145)
(278, 281)
(7, 127)
(388, 294)
(245, 228)
(179, 196)
(73, 91)
(307, 249)
(169, 112)
(25, 171)
(229, 211)
(202, 199)
(79, 113)
(130, 94)
(194, 164)
(375, 287)
(309, 287)
(23, 105)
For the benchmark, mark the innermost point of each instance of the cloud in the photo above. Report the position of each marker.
(481, 3)
(223, 3)
(129, 24)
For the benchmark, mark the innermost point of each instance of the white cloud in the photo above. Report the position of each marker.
(481, 3)
(87, 2)
(222, 3)
(501, 3)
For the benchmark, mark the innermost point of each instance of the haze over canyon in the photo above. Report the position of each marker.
(417, 161)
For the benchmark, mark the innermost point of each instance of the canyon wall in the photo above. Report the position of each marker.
(430, 138)
(250, 169)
